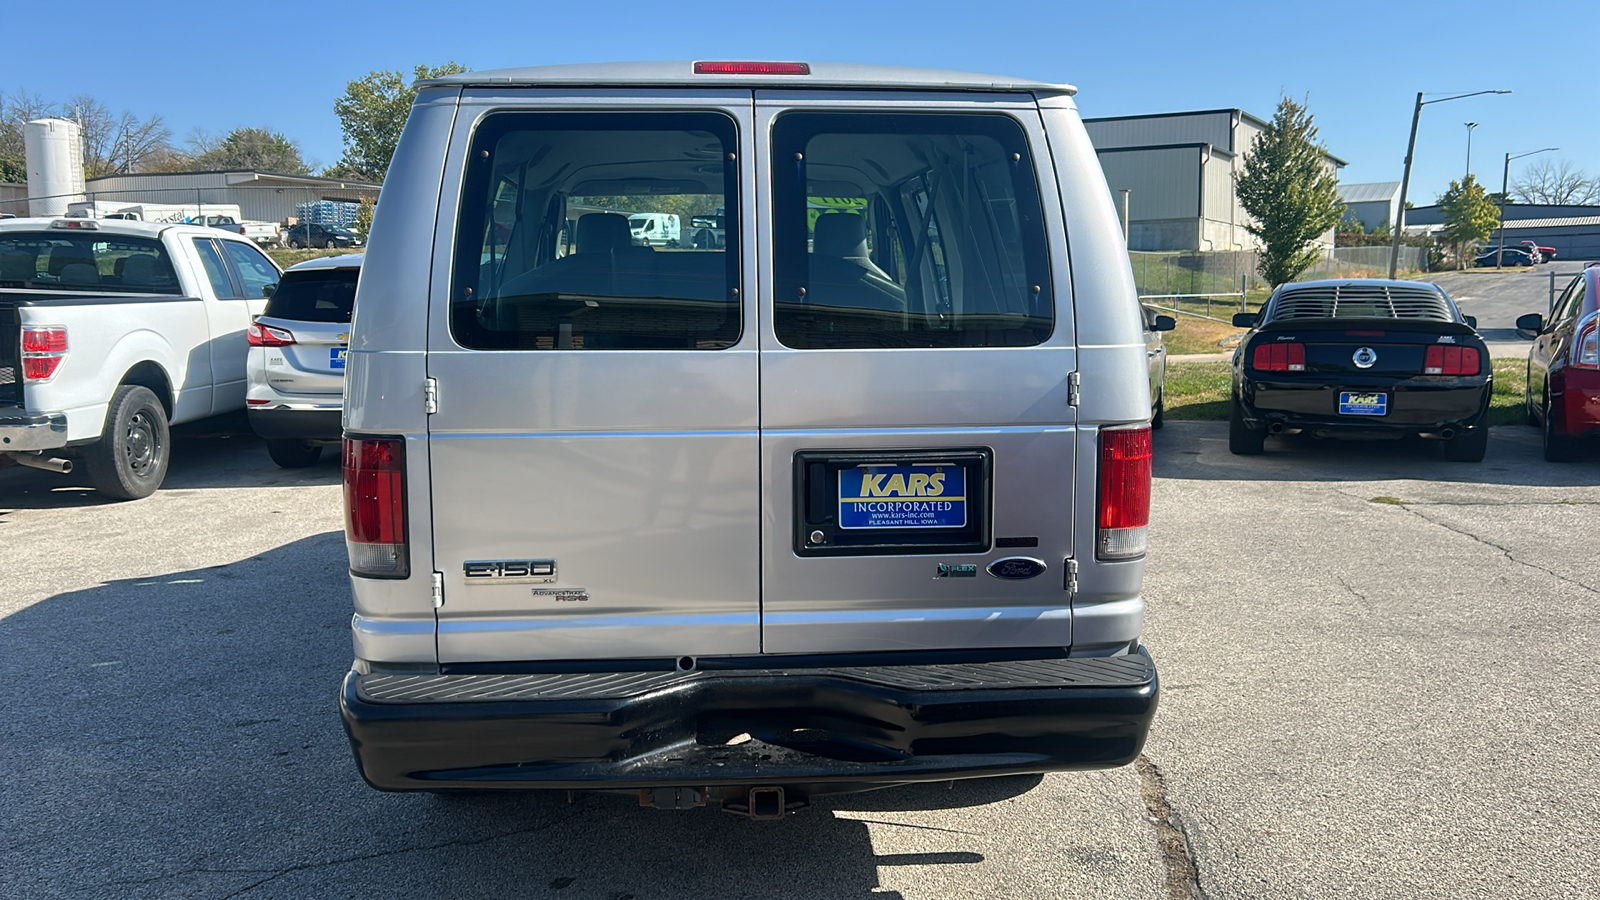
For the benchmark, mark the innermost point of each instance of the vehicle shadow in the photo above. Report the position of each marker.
(218, 452)
(179, 736)
(1198, 450)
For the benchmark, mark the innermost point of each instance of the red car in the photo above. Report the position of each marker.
(1564, 368)
(1545, 253)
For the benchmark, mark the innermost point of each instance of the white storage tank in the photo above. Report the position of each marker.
(54, 151)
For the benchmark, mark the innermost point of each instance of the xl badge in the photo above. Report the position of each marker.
(1016, 568)
(1365, 358)
(509, 571)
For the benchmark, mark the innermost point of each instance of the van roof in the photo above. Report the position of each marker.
(681, 73)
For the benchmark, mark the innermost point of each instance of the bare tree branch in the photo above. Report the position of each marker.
(1556, 184)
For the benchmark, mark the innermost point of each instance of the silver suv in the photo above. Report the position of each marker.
(857, 497)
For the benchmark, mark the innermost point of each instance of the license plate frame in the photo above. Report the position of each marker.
(822, 526)
(1364, 403)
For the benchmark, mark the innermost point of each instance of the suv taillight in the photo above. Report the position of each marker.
(375, 507)
(267, 336)
(1279, 358)
(1124, 497)
(1442, 360)
(44, 347)
(1586, 348)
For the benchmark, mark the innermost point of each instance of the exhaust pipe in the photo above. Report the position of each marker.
(1448, 433)
(58, 466)
(1275, 428)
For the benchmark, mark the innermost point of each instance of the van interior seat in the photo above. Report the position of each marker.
(841, 272)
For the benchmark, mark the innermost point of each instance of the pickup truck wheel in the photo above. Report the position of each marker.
(1469, 446)
(130, 459)
(294, 454)
(1242, 439)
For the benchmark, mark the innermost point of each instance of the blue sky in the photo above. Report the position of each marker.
(281, 65)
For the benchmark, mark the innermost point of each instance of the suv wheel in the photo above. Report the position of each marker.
(1242, 439)
(130, 459)
(328, 245)
(291, 454)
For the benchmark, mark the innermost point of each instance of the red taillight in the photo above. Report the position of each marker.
(1124, 498)
(44, 347)
(375, 507)
(752, 68)
(1443, 360)
(1586, 348)
(268, 336)
(1279, 358)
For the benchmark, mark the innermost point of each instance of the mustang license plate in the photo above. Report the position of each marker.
(930, 495)
(1352, 403)
(336, 357)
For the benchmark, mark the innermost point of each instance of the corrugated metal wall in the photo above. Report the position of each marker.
(1165, 184)
(263, 200)
(1197, 128)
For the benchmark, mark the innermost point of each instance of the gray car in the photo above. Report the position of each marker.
(855, 497)
(295, 368)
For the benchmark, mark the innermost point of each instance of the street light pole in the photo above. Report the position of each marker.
(1470, 126)
(1505, 177)
(1405, 182)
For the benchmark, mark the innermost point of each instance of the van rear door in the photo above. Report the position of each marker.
(594, 454)
(916, 432)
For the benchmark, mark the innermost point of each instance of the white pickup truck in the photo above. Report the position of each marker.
(110, 330)
(266, 234)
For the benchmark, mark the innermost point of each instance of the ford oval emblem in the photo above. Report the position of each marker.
(1016, 568)
(1365, 358)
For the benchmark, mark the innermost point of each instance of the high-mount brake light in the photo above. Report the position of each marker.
(268, 336)
(375, 507)
(44, 347)
(1442, 360)
(752, 68)
(1124, 495)
(1586, 348)
(76, 224)
(1285, 357)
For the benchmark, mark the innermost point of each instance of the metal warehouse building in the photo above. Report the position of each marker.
(260, 196)
(1178, 169)
(1374, 204)
(1574, 231)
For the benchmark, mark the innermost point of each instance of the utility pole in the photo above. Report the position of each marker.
(1505, 177)
(1470, 126)
(1405, 182)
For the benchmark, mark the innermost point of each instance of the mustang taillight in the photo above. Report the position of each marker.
(375, 507)
(44, 347)
(1586, 349)
(1442, 360)
(1286, 357)
(1124, 496)
(267, 336)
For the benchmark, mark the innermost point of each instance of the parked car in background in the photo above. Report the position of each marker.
(297, 358)
(1510, 256)
(110, 330)
(325, 236)
(1563, 396)
(1361, 358)
(1155, 352)
(263, 233)
(1545, 253)
(704, 532)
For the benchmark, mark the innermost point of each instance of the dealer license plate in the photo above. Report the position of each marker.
(336, 357)
(921, 496)
(1352, 403)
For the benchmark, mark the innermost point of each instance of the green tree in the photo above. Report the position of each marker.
(372, 113)
(1469, 215)
(1350, 224)
(256, 149)
(1288, 188)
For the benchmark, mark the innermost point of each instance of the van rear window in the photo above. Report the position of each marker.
(577, 232)
(315, 295)
(919, 230)
(85, 261)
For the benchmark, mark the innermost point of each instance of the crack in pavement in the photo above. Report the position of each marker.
(1183, 876)
(1508, 554)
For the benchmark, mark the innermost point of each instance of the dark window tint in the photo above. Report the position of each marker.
(907, 231)
(216, 271)
(315, 295)
(85, 261)
(546, 258)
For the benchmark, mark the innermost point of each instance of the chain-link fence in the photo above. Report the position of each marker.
(1193, 272)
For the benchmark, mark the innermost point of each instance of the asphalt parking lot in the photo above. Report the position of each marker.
(1377, 682)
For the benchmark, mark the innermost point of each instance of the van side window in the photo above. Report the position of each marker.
(551, 252)
(920, 230)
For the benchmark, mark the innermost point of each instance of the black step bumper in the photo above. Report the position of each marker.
(820, 730)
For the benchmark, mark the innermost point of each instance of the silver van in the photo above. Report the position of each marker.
(856, 498)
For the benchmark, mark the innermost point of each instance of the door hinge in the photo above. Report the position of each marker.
(1073, 388)
(1072, 577)
(438, 589)
(430, 395)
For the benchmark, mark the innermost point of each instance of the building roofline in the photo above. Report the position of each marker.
(352, 184)
(1197, 145)
(1259, 122)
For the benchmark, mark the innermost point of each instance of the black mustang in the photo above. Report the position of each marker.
(1359, 358)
